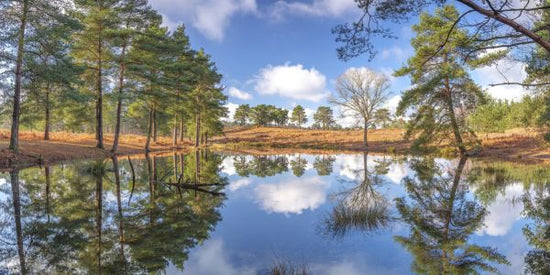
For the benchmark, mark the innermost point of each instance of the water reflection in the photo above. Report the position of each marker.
(384, 215)
(361, 207)
(102, 218)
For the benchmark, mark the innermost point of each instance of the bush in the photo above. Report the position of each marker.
(546, 137)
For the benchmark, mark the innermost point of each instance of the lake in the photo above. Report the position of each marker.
(219, 213)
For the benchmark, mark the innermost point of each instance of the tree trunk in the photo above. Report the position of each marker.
(182, 126)
(454, 122)
(99, 106)
(14, 138)
(14, 178)
(365, 135)
(155, 130)
(149, 130)
(47, 114)
(197, 166)
(197, 130)
(119, 101)
(99, 218)
(120, 214)
(48, 184)
(175, 131)
(206, 138)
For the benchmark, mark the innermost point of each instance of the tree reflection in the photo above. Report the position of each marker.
(260, 166)
(323, 165)
(299, 166)
(361, 207)
(537, 207)
(80, 219)
(441, 219)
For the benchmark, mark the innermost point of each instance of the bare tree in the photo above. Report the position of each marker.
(361, 92)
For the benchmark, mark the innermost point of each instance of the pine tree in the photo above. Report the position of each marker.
(299, 116)
(443, 93)
(242, 114)
(133, 17)
(22, 20)
(92, 51)
(324, 117)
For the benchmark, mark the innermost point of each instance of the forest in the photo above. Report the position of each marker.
(104, 66)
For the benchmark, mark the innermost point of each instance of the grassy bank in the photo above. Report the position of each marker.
(518, 145)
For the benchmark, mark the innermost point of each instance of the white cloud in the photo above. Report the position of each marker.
(392, 103)
(501, 72)
(332, 8)
(503, 212)
(231, 108)
(394, 52)
(213, 251)
(240, 183)
(228, 166)
(234, 92)
(292, 197)
(210, 17)
(292, 81)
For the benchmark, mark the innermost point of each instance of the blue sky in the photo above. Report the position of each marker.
(283, 52)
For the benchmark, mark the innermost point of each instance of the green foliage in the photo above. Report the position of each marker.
(263, 115)
(498, 115)
(441, 85)
(298, 115)
(324, 117)
(242, 114)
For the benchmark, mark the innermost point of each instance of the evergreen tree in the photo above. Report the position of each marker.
(382, 117)
(443, 93)
(324, 117)
(242, 114)
(133, 18)
(299, 116)
(92, 51)
(21, 20)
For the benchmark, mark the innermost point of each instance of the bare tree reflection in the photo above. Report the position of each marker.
(361, 207)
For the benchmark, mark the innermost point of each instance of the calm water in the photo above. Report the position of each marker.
(211, 213)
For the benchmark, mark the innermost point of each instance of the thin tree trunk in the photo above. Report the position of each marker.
(48, 184)
(99, 106)
(14, 177)
(120, 214)
(47, 114)
(175, 131)
(14, 138)
(155, 126)
(365, 135)
(149, 130)
(197, 166)
(206, 138)
(99, 218)
(175, 160)
(197, 130)
(182, 126)
(119, 101)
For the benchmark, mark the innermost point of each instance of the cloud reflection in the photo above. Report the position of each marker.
(292, 196)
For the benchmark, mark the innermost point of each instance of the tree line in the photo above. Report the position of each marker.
(92, 66)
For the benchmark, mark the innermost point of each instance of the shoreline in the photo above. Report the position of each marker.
(517, 147)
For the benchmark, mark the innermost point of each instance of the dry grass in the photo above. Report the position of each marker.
(65, 146)
(379, 140)
(518, 145)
